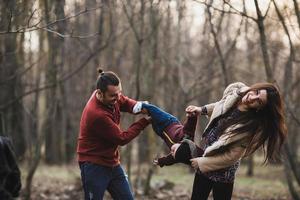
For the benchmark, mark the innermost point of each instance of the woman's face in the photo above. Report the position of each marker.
(255, 99)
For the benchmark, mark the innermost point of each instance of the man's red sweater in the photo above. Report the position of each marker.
(100, 134)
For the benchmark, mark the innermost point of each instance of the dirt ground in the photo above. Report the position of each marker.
(171, 183)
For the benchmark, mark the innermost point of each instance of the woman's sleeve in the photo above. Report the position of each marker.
(208, 109)
(233, 86)
(220, 161)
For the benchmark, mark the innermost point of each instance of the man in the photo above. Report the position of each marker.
(100, 136)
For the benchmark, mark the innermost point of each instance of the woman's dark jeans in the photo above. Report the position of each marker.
(202, 187)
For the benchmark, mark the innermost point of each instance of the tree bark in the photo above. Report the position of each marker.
(296, 7)
(12, 115)
(53, 126)
(263, 43)
(218, 47)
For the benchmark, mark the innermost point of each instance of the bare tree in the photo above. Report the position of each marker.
(11, 56)
(263, 42)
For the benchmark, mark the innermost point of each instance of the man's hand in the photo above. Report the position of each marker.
(174, 148)
(148, 118)
(193, 111)
(144, 111)
(137, 108)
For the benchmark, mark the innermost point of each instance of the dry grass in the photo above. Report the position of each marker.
(63, 182)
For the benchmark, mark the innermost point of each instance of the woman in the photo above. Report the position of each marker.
(245, 119)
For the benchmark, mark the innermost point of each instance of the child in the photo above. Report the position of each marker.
(172, 131)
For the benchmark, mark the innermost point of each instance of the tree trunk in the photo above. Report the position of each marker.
(37, 136)
(53, 126)
(218, 47)
(11, 116)
(263, 43)
(250, 166)
(296, 7)
(289, 169)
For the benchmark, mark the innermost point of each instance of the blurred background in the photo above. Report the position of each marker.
(172, 53)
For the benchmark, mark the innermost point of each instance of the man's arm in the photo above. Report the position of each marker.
(111, 132)
(131, 106)
(126, 104)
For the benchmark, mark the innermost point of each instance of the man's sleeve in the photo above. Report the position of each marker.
(126, 104)
(113, 133)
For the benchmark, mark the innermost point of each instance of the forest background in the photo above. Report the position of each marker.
(172, 53)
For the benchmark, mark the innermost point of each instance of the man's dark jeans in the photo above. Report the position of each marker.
(96, 179)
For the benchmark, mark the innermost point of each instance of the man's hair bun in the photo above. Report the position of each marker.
(100, 70)
(105, 79)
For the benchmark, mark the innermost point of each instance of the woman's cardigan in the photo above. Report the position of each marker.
(228, 149)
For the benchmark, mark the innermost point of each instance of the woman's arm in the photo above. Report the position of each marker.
(202, 110)
(219, 161)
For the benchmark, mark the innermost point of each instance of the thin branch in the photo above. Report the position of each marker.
(267, 9)
(86, 10)
(218, 47)
(10, 20)
(237, 12)
(235, 40)
(71, 35)
(45, 27)
(130, 20)
(30, 17)
(21, 73)
(296, 7)
(66, 77)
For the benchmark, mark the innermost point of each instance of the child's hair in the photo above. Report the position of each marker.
(105, 79)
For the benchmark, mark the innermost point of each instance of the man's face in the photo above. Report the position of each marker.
(112, 95)
(255, 99)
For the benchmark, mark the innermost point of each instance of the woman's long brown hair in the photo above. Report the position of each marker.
(266, 126)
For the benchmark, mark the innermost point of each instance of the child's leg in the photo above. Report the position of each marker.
(166, 160)
(164, 124)
(189, 126)
(184, 153)
(160, 118)
(168, 127)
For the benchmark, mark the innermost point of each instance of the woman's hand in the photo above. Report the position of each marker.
(174, 148)
(194, 163)
(193, 110)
